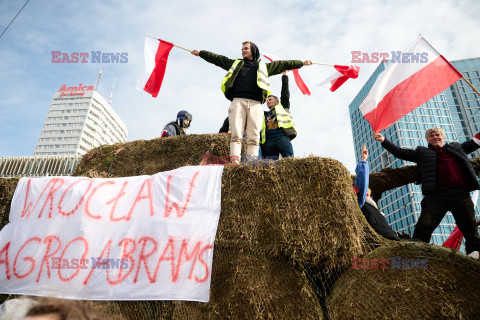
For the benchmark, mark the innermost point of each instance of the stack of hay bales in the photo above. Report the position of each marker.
(287, 232)
(420, 281)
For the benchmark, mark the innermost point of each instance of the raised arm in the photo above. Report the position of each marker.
(285, 94)
(361, 180)
(217, 59)
(401, 153)
(277, 67)
(472, 145)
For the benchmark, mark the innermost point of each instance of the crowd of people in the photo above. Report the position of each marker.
(445, 171)
(247, 86)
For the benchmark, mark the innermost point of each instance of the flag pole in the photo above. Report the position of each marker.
(471, 85)
(324, 64)
(172, 44)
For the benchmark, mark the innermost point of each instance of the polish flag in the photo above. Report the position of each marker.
(156, 55)
(296, 75)
(342, 74)
(404, 86)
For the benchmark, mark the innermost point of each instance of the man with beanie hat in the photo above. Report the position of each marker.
(176, 128)
(247, 86)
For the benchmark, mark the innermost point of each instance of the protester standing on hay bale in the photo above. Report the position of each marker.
(247, 86)
(177, 128)
(447, 176)
(366, 203)
(278, 128)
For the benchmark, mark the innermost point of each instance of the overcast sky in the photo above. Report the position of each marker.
(323, 31)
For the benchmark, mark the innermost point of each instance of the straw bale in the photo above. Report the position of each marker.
(145, 157)
(7, 189)
(446, 286)
(248, 285)
(303, 208)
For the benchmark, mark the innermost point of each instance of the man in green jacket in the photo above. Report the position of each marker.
(247, 86)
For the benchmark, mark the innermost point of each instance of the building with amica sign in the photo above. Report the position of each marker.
(78, 120)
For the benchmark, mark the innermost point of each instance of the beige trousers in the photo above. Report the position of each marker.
(244, 115)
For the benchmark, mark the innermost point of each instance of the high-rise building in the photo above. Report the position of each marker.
(456, 110)
(79, 119)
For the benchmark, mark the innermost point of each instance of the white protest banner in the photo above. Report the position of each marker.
(133, 238)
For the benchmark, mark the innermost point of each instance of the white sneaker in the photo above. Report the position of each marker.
(474, 254)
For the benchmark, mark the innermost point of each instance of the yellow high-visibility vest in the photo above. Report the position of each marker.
(284, 120)
(262, 78)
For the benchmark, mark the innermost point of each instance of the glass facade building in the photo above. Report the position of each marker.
(456, 110)
(79, 119)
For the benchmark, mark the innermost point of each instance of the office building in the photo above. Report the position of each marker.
(79, 119)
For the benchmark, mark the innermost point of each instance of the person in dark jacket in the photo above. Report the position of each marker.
(225, 126)
(368, 206)
(177, 128)
(447, 177)
(247, 86)
(278, 128)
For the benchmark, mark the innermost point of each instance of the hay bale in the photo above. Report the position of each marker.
(145, 157)
(247, 285)
(302, 208)
(445, 286)
(138, 310)
(7, 189)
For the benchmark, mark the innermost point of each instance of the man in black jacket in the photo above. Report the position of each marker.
(447, 177)
(246, 84)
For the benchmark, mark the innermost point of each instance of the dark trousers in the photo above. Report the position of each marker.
(277, 145)
(434, 207)
(377, 222)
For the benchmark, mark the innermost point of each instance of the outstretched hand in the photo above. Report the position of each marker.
(307, 62)
(378, 137)
(364, 153)
(195, 52)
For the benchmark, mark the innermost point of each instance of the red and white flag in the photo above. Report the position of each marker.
(296, 75)
(342, 74)
(156, 55)
(404, 86)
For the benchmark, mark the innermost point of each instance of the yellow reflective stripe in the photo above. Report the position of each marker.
(284, 118)
(262, 78)
(262, 72)
(262, 132)
(263, 81)
(229, 74)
